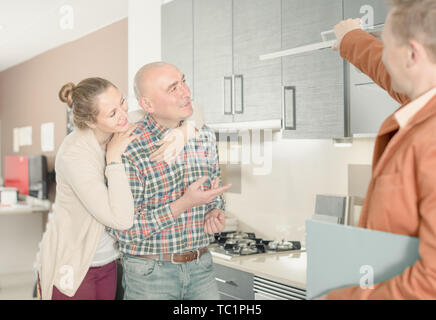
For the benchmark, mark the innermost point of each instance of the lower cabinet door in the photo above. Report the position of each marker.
(234, 284)
(224, 296)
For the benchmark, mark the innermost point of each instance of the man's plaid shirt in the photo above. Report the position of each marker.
(155, 185)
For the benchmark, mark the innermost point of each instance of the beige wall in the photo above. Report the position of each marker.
(29, 91)
(29, 97)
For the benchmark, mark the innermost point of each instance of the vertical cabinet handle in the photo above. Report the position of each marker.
(239, 93)
(289, 113)
(228, 95)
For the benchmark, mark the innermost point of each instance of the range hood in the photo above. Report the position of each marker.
(328, 40)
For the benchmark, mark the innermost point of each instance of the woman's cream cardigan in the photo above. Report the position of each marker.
(83, 207)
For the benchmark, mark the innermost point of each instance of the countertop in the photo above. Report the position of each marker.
(287, 268)
(29, 205)
(22, 209)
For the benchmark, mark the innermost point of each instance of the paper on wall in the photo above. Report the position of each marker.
(16, 142)
(26, 136)
(47, 137)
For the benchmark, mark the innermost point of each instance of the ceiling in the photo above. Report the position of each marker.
(29, 27)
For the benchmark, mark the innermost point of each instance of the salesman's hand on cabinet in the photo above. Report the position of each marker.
(342, 28)
(215, 221)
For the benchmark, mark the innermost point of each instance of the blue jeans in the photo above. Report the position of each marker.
(148, 279)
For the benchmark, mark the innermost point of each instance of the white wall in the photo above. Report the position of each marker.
(19, 238)
(144, 38)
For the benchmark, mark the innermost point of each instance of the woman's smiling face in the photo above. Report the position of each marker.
(112, 111)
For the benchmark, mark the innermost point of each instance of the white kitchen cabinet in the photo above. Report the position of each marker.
(257, 84)
(313, 82)
(369, 105)
(230, 83)
(321, 98)
(177, 37)
(217, 44)
(213, 66)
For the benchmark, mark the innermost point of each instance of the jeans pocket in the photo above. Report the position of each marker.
(206, 261)
(138, 266)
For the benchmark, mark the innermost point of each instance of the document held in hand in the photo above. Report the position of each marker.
(341, 256)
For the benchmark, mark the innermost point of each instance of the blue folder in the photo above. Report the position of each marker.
(340, 256)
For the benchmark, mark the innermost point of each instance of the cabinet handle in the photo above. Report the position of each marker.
(240, 99)
(230, 282)
(226, 79)
(285, 114)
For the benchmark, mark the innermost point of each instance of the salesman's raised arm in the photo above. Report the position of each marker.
(365, 52)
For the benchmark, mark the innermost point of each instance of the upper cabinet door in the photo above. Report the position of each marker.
(372, 12)
(313, 82)
(303, 21)
(177, 37)
(213, 59)
(257, 84)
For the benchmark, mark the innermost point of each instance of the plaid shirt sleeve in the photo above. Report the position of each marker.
(146, 222)
(219, 202)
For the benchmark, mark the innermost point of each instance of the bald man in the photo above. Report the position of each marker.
(178, 206)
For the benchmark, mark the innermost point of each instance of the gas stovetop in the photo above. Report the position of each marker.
(243, 244)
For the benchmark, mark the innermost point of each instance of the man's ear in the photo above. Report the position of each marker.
(415, 53)
(146, 105)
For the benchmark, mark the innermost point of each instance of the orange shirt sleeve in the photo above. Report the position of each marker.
(365, 52)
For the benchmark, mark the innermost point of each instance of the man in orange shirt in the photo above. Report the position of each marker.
(401, 197)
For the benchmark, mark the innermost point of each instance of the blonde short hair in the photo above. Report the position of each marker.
(415, 19)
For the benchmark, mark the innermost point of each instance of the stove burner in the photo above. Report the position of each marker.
(241, 243)
(248, 250)
(284, 245)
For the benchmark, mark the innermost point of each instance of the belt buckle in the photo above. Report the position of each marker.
(172, 259)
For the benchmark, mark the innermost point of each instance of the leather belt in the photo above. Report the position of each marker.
(177, 257)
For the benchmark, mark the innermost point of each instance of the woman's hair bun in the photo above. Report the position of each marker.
(66, 94)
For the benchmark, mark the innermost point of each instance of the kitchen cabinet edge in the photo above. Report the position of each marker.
(264, 124)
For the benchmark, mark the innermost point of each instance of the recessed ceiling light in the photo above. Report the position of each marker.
(1, 27)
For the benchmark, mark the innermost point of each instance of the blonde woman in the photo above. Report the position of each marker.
(77, 256)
